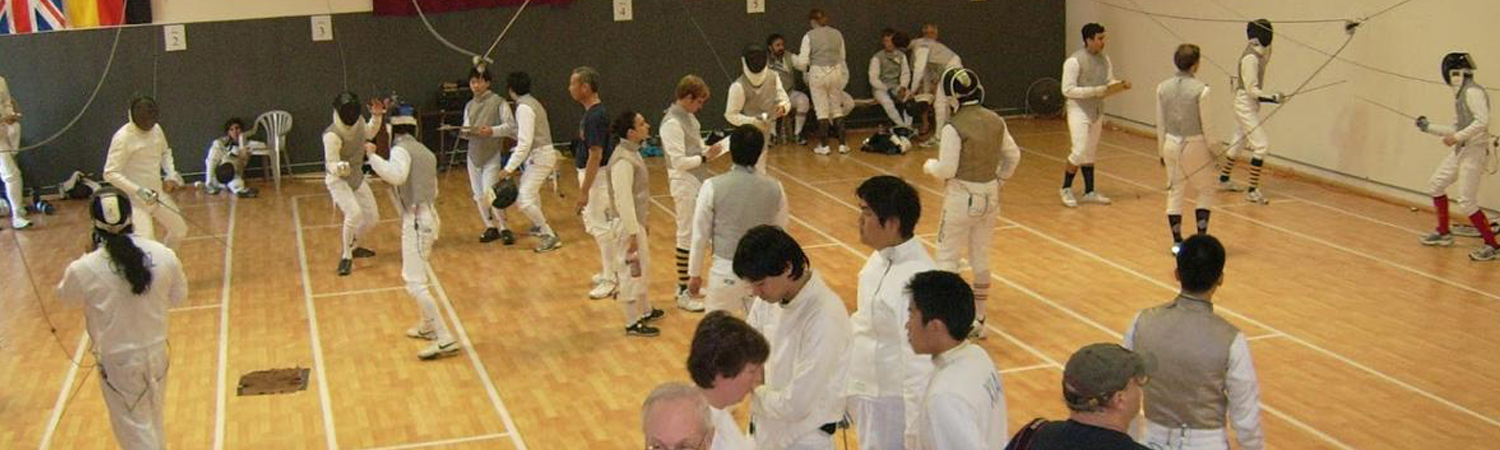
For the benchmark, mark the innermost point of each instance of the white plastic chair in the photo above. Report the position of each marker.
(276, 124)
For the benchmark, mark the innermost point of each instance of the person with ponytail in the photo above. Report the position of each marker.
(126, 283)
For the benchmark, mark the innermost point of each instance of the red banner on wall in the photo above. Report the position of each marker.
(405, 7)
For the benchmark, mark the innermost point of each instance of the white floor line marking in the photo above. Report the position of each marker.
(838, 180)
(208, 236)
(220, 393)
(195, 308)
(485, 437)
(312, 327)
(1027, 368)
(1265, 336)
(1069, 311)
(359, 291)
(64, 393)
(1273, 200)
(336, 225)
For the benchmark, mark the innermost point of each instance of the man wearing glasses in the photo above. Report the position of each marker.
(675, 416)
(1204, 380)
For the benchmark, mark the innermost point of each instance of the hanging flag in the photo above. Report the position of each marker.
(27, 16)
(405, 7)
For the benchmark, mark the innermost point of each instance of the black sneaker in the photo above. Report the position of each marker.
(507, 237)
(641, 329)
(345, 266)
(490, 235)
(361, 252)
(653, 315)
(248, 193)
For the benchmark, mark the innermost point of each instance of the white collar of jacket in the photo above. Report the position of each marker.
(805, 296)
(945, 358)
(903, 251)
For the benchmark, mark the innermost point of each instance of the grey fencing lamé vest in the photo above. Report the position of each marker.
(1260, 71)
(692, 139)
(983, 135)
(825, 45)
(890, 68)
(1093, 71)
(484, 111)
(541, 131)
(1179, 105)
(784, 69)
(627, 152)
(742, 200)
(1191, 347)
(758, 99)
(938, 54)
(1461, 104)
(421, 178)
(352, 150)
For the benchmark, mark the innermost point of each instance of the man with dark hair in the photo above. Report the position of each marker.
(1181, 126)
(1102, 386)
(728, 204)
(802, 400)
(630, 199)
(487, 121)
(727, 360)
(886, 378)
(534, 151)
(796, 89)
(964, 402)
(1088, 77)
(1205, 380)
(592, 160)
(1248, 95)
(228, 155)
(889, 75)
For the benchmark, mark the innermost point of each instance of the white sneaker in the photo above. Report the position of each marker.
(604, 289)
(978, 331)
(1067, 198)
(1254, 196)
(1176, 248)
(821, 150)
(843, 149)
(1484, 253)
(1437, 239)
(440, 349)
(597, 278)
(19, 223)
(421, 332)
(1228, 186)
(686, 302)
(1096, 197)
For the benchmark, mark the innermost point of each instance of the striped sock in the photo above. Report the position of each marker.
(1255, 166)
(1174, 221)
(1228, 168)
(682, 268)
(981, 295)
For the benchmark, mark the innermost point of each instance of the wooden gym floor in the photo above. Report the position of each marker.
(1362, 338)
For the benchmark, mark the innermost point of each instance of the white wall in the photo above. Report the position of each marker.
(183, 11)
(1330, 129)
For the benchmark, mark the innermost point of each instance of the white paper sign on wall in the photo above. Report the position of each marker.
(624, 11)
(175, 37)
(755, 6)
(322, 28)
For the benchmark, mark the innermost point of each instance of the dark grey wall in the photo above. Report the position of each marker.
(247, 67)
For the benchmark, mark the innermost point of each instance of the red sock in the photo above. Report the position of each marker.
(1483, 224)
(1441, 203)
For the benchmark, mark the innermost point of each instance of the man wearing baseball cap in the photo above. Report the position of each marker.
(1103, 385)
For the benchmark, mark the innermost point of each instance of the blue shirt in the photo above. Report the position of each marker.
(594, 132)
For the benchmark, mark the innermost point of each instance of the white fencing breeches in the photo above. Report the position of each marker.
(598, 223)
(632, 294)
(879, 421)
(684, 189)
(419, 229)
(827, 86)
(801, 104)
(166, 211)
(725, 290)
(1464, 167)
(529, 200)
(15, 189)
(896, 115)
(968, 223)
(135, 388)
(1189, 163)
(1162, 437)
(482, 177)
(1085, 136)
(359, 208)
(1248, 131)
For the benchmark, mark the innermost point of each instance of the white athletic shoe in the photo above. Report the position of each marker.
(1097, 198)
(686, 302)
(1484, 253)
(597, 278)
(604, 289)
(421, 331)
(978, 331)
(1254, 196)
(1437, 239)
(821, 150)
(843, 149)
(19, 223)
(1067, 198)
(1176, 248)
(548, 243)
(440, 349)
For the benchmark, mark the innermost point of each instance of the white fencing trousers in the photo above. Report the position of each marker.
(632, 295)
(1464, 167)
(135, 388)
(725, 290)
(538, 169)
(801, 104)
(880, 422)
(827, 86)
(359, 208)
(598, 223)
(419, 229)
(1188, 163)
(1085, 136)
(813, 440)
(1165, 438)
(15, 189)
(889, 104)
(969, 214)
(1247, 120)
(482, 177)
(684, 189)
(172, 223)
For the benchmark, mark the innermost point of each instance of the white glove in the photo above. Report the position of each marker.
(930, 166)
(341, 169)
(147, 195)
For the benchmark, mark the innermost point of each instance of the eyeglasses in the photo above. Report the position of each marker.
(699, 443)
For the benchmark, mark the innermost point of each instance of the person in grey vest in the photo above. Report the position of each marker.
(890, 74)
(534, 151)
(963, 403)
(930, 59)
(976, 156)
(411, 169)
(1248, 95)
(1469, 137)
(1182, 122)
(687, 168)
(487, 120)
(1088, 77)
(757, 97)
(234, 150)
(1204, 380)
(344, 158)
(10, 145)
(786, 69)
(824, 59)
(728, 205)
(630, 200)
